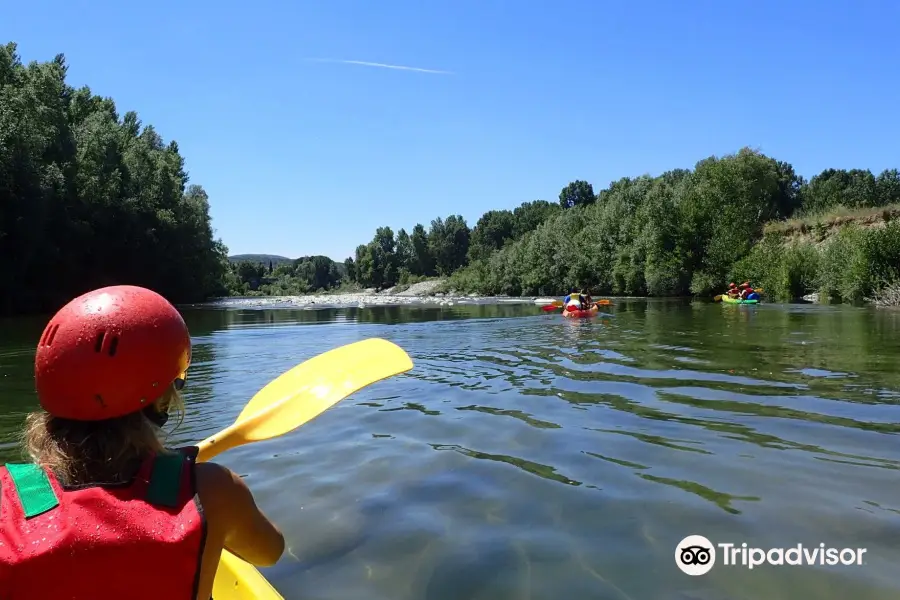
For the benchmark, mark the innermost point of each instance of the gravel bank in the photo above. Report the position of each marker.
(417, 294)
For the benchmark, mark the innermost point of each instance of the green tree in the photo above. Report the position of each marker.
(493, 229)
(406, 252)
(366, 273)
(385, 256)
(887, 187)
(529, 215)
(89, 199)
(316, 272)
(577, 193)
(251, 273)
(350, 267)
(839, 187)
(448, 243)
(424, 261)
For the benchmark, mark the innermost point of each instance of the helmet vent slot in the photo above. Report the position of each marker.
(49, 334)
(98, 345)
(113, 343)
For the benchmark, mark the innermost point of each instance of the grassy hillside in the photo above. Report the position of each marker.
(261, 258)
(826, 223)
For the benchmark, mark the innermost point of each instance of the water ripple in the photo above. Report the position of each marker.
(530, 456)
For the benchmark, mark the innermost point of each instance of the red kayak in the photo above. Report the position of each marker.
(575, 314)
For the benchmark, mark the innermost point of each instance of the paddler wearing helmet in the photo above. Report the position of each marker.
(103, 509)
(747, 292)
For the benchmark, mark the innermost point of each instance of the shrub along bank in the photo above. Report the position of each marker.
(691, 232)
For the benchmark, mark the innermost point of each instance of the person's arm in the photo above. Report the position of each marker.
(253, 536)
(248, 533)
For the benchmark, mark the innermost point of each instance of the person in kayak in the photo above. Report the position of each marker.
(103, 509)
(747, 292)
(733, 290)
(588, 300)
(574, 301)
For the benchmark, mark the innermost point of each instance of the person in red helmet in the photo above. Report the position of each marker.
(104, 510)
(733, 290)
(745, 290)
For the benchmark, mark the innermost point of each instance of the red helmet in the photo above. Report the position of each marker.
(109, 353)
(731, 285)
(746, 284)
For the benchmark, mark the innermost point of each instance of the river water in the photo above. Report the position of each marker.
(527, 456)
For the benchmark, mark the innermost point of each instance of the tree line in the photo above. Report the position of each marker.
(304, 275)
(684, 232)
(91, 198)
(443, 249)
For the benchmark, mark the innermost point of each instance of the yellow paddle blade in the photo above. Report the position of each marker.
(308, 390)
(717, 298)
(343, 370)
(556, 303)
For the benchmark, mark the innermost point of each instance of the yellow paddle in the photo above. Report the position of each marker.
(306, 391)
(285, 403)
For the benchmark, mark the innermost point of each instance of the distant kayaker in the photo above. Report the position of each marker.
(103, 510)
(733, 290)
(746, 291)
(586, 296)
(573, 301)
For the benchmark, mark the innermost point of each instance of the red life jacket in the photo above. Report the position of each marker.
(141, 540)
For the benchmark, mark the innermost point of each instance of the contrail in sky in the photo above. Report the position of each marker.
(380, 65)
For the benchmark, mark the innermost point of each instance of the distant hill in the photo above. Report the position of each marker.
(261, 258)
(277, 260)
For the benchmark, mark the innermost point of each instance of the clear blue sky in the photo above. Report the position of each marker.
(309, 157)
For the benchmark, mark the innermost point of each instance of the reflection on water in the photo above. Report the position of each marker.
(531, 456)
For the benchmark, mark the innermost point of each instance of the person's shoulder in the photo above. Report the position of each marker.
(223, 493)
(216, 479)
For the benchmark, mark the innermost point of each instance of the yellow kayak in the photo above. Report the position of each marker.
(239, 580)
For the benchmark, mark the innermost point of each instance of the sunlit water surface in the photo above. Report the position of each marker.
(527, 456)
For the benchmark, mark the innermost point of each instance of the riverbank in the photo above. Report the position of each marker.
(424, 293)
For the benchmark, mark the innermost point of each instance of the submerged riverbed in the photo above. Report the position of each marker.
(527, 456)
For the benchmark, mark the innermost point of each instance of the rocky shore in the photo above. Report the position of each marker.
(416, 294)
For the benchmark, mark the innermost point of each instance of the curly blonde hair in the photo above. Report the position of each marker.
(109, 451)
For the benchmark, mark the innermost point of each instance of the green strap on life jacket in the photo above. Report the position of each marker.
(33, 488)
(38, 496)
(165, 479)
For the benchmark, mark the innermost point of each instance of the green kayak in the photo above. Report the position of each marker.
(726, 299)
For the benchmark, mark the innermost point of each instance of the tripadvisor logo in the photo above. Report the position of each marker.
(696, 555)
